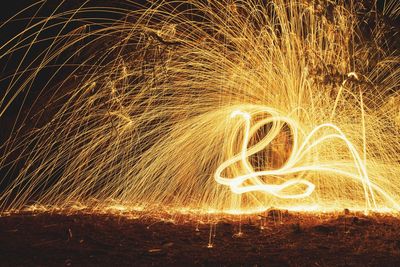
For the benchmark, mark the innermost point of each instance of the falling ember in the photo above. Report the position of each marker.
(202, 106)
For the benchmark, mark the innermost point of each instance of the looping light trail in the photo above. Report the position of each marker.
(251, 181)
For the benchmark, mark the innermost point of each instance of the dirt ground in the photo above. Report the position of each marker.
(272, 239)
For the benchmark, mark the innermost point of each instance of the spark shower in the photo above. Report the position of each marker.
(223, 106)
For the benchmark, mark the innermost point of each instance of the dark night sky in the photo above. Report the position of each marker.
(8, 64)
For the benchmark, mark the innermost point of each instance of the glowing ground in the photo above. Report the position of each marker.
(287, 239)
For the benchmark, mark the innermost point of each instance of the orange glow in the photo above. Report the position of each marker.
(201, 107)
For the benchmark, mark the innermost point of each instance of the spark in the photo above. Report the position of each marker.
(201, 107)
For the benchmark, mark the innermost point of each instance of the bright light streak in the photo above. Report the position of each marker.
(295, 164)
(207, 106)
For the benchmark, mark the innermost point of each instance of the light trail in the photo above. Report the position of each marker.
(294, 164)
(211, 106)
